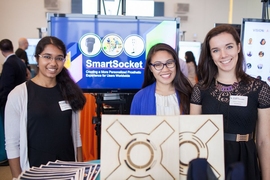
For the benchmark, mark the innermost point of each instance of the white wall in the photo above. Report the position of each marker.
(21, 18)
(203, 14)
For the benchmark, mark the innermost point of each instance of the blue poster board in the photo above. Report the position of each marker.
(107, 53)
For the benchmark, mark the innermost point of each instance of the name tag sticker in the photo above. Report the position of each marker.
(64, 105)
(238, 101)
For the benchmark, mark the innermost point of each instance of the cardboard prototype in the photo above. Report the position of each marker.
(159, 147)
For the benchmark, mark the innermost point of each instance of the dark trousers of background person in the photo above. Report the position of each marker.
(3, 154)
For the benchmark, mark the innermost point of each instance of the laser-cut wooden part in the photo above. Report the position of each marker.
(201, 136)
(139, 147)
(159, 147)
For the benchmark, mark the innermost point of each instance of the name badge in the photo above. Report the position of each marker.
(64, 105)
(238, 101)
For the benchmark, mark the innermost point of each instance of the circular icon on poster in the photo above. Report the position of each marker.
(260, 66)
(261, 53)
(250, 41)
(268, 78)
(249, 54)
(134, 45)
(263, 42)
(112, 45)
(90, 44)
(249, 65)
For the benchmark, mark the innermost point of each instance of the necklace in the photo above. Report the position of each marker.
(223, 88)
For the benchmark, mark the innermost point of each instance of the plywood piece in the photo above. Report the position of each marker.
(139, 147)
(159, 147)
(201, 136)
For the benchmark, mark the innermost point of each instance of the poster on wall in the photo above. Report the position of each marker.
(108, 53)
(256, 45)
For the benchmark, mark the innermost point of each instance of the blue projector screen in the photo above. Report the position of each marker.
(107, 53)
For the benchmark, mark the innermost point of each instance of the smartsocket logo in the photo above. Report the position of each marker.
(113, 64)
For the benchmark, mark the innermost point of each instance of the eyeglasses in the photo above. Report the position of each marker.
(50, 58)
(159, 65)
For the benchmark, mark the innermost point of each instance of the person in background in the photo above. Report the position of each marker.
(43, 113)
(183, 67)
(192, 67)
(21, 53)
(244, 101)
(165, 90)
(13, 74)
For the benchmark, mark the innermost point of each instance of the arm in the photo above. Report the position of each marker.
(77, 136)
(195, 109)
(7, 80)
(263, 141)
(196, 101)
(79, 154)
(15, 167)
(183, 66)
(135, 106)
(133, 109)
(13, 123)
(28, 74)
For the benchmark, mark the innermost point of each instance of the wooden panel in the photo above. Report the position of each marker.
(159, 147)
(201, 136)
(139, 147)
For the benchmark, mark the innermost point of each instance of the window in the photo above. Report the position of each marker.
(112, 7)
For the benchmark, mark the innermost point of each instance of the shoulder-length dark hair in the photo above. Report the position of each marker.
(180, 82)
(207, 69)
(70, 90)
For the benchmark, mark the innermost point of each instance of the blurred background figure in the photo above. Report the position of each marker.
(21, 53)
(183, 67)
(13, 74)
(192, 67)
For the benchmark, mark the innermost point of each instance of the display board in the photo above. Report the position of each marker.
(194, 47)
(237, 27)
(32, 43)
(107, 53)
(160, 147)
(256, 45)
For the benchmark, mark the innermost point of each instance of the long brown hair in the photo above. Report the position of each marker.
(70, 90)
(207, 69)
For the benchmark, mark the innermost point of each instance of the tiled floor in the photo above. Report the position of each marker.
(5, 173)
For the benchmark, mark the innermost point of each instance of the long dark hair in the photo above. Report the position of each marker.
(180, 82)
(70, 90)
(207, 68)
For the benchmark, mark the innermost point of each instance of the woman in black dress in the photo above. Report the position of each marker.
(244, 101)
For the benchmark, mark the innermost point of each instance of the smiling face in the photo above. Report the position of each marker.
(50, 68)
(224, 52)
(166, 75)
